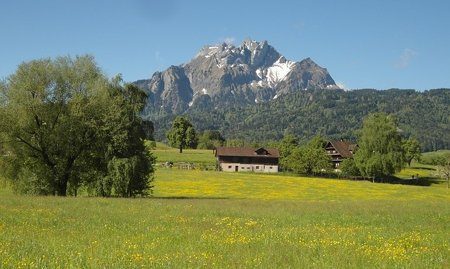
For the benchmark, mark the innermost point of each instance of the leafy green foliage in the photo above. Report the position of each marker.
(286, 146)
(348, 168)
(411, 147)
(182, 134)
(380, 152)
(310, 159)
(210, 140)
(62, 123)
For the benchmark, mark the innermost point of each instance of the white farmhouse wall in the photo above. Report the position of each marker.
(231, 167)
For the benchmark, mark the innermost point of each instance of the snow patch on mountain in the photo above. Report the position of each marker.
(278, 71)
(274, 74)
(259, 73)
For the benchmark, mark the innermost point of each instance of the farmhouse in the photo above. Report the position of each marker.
(340, 150)
(247, 159)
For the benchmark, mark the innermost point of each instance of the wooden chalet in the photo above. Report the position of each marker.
(244, 159)
(340, 150)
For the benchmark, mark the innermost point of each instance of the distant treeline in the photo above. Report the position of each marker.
(334, 114)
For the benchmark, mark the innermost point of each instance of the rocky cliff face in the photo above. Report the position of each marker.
(232, 76)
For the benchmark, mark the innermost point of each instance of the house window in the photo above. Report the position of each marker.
(270, 167)
(257, 167)
(229, 166)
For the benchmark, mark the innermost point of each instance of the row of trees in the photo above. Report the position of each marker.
(64, 126)
(382, 151)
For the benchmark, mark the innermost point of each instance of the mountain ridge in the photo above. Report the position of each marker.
(232, 75)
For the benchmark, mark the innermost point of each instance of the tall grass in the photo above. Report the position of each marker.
(209, 219)
(223, 220)
(49, 232)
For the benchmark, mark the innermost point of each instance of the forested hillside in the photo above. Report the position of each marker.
(332, 113)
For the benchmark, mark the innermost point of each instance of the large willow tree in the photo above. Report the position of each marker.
(380, 153)
(64, 125)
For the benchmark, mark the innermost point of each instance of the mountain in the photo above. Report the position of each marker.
(336, 114)
(253, 93)
(232, 76)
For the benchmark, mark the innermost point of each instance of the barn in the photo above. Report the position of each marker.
(245, 159)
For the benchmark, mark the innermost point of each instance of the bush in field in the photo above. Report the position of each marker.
(63, 124)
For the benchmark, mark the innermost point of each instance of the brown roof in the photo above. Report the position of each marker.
(248, 152)
(344, 147)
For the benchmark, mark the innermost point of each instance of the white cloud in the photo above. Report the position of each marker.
(405, 58)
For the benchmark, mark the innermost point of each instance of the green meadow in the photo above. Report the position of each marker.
(196, 156)
(209, 219)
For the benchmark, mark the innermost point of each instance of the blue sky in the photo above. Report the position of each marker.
(363, 44)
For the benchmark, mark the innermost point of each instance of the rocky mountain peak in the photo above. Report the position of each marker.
(238, 75)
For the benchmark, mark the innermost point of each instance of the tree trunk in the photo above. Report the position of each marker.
(62, 185)
(181, 149)
(62, 189)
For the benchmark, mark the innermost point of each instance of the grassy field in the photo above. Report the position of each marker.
(212, 184)
(434, 156)
(208, 219)
(197, 156)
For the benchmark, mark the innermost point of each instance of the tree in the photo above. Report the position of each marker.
(62, 121)
(348, 168)
(443, 171)
(411, 147)
(310, 159)
(380, 153)
(210, 140)
(129, 163)
(182, 134)
(286, 146)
